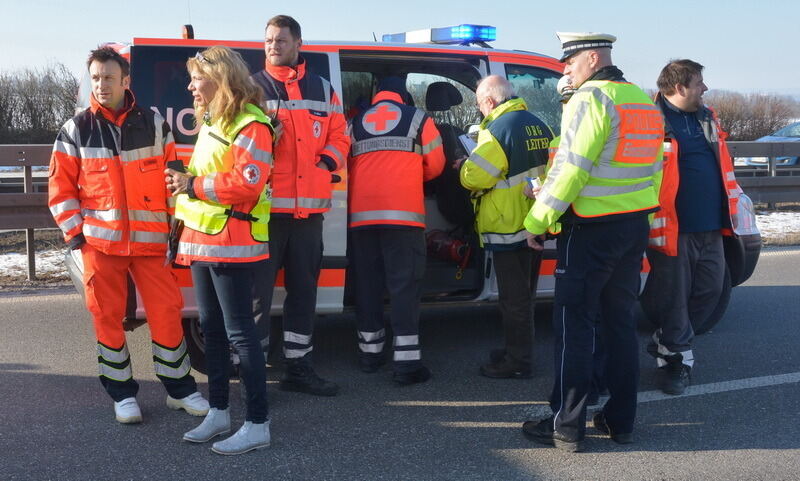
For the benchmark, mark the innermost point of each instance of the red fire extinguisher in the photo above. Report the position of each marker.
(448, 248)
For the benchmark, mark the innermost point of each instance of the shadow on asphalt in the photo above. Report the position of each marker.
(10, 366)
(457, 426)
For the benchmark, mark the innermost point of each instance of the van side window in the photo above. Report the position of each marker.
(358, 87)
(315, 62)
(447, 80)
(459, 115)
(537, 87)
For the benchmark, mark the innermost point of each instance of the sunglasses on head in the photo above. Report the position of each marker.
(199, 56)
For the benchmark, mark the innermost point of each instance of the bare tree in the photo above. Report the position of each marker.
(34, 103)
(754, 115)
(7, 107)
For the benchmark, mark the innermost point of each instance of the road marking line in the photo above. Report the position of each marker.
(780, 252)
(462, 403)
(698, 390)
(473, 424)
(725, 386)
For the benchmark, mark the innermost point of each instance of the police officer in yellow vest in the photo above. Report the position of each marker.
(603, 184)
(565, 90)
(512, 145)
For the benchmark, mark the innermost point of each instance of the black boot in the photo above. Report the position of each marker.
(676, 377)
(506, 369)
(601, 425)
(497, 355)
(542, 432)
(419, 375)
(370, 363)
(300, 377)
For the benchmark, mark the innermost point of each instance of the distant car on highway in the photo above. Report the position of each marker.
(790, 133)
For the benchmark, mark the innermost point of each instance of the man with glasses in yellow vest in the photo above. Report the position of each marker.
(512, 145)
(602, 186)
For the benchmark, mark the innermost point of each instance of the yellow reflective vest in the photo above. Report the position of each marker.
(609, 158)
(512, 145)
(209, 157)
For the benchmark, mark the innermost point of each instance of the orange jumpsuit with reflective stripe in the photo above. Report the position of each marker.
(385, 174)
(107, 186)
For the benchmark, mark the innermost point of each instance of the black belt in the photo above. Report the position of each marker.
(241, 215)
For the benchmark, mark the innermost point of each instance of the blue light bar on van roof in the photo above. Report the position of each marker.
(463, 34)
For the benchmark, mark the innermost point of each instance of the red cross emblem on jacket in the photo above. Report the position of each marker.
(382, 118)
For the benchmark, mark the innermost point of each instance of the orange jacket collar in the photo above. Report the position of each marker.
(285, 73)
(118, 117)
(387, 95)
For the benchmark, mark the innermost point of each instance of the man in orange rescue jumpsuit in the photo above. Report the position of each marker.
(107, 194)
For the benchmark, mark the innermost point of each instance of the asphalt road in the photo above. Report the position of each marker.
(737, 422)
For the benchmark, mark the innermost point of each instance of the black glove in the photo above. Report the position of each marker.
(329, 162)
(77, 242)
(175, 230)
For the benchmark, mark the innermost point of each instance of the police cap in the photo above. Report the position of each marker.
(574, 42)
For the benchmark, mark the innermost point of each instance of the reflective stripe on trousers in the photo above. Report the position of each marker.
(371, 342)
(164, 370)
(296, 345)
(114, 364)
(406, 348)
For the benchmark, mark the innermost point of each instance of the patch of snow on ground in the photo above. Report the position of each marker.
(778, 223)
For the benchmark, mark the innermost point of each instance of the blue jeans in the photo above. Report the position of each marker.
(225, 301)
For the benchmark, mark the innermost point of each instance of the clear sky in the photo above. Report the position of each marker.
(745, 45)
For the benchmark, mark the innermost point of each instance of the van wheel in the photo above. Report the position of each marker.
(195, 343)
(719, 311)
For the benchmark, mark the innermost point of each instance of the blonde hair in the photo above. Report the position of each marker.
(230, 73)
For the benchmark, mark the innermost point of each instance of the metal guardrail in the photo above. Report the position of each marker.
(28, 210)
(771, 183)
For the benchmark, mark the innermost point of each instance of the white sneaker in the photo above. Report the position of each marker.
(217, 421)
(249, 437)
(127, 411)
(194, 404)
